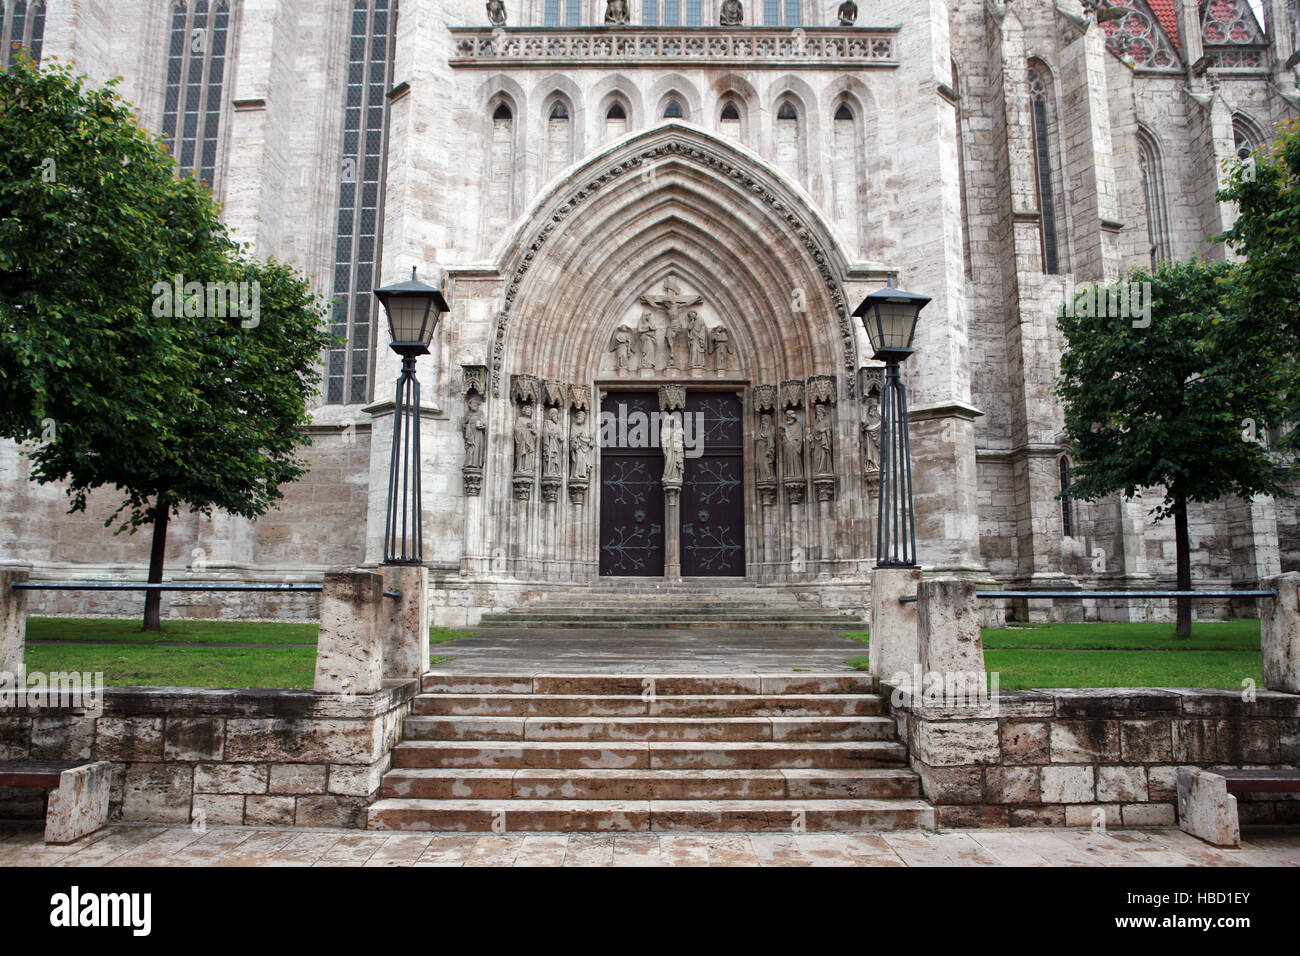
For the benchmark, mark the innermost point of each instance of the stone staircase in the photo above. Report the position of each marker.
(630, 603)
(627, 752)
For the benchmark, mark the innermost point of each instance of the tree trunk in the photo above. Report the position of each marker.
(1184, 560)
(158, 551)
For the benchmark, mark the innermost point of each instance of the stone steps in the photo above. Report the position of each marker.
(750, 752)
(720, 621)
(628, 705)
(544, 784)
(748, 816)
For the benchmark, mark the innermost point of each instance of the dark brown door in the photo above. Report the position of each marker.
(631, 491)
(713, 488)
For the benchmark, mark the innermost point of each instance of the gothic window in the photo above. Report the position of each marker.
(501, 169)
(23, 27)
(572, 13)
(789, 139)
(1232, 36)
(1045, 169)
(846, 173)
(1137, 38)
(1067, 504)
(650, 13)
(694, 13)
(729, 120)
(615, 121)
(559, 138)
(1246, 136)
(193, 100)
(672, 13)
(1153, 188)
(360, 208)
(782, 13)
(673, 110)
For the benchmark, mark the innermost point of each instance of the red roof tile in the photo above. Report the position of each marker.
(1167, 13)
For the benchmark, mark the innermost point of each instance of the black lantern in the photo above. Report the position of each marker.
(413, 310)
(890, 316)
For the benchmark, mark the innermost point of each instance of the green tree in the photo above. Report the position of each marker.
(188, 407)
(1174, 404)
(1266, 190)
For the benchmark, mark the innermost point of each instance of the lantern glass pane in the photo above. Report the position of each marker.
(897, 323)
(408, 317)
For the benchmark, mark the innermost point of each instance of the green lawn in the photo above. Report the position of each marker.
(1218, 654)
(128, 656)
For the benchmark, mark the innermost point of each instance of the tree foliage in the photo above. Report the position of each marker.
(174, 407)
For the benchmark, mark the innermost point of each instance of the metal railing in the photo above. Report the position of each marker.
(1111, 595)
(169, 586)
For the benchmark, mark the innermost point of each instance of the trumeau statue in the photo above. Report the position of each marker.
(672, 439)
(474, 430)
(731, 14)
(553, 444)
(616, 12)
(848, 13)
(792, 445)
(496, 11)
(580, 447)
(525, 442)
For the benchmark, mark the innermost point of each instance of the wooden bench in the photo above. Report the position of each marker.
(1207, 807)
(76, 794)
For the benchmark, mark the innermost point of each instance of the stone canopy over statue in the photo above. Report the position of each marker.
(732, 13)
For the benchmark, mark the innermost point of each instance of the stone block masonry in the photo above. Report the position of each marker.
(255, 757)
(1081, 757)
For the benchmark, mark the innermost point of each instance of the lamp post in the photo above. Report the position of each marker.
(413, 310)
(889, 316)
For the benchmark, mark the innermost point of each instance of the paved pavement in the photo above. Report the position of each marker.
(160, 845)
(704, 651)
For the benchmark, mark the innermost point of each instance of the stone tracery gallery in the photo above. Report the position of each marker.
(669, 211)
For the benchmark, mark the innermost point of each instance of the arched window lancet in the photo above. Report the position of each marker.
(1067, 503)
(1044, 165)
(24, 28)
(673, 110)
(1151, 171)
(729, 111)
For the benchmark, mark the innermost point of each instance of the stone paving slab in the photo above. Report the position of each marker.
(164, 845)
(593, 651)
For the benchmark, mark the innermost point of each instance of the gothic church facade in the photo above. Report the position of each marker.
(677, 212)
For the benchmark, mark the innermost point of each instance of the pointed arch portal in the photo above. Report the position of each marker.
(688, 276)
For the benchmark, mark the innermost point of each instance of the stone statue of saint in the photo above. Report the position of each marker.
(525, 442)
(672, 440)
(580, 447)
(697, 339)
(616, 12)
(821, 442)
(646, 330)
(722, 349)
(765, 446)
(553, 444)
(474, 430)
(496, 10)
(871, 437)
(622, 347)
(792, 445)
(732, 13)
(848, 13)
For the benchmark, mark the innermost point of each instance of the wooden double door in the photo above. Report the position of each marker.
(711, 522)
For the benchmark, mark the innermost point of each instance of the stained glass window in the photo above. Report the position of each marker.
(360, 208)
(1040, 108)
(1067, 505)
(1136, 37)
(22, 26)
(193, 100)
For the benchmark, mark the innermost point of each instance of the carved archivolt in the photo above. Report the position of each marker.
(627, 343)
